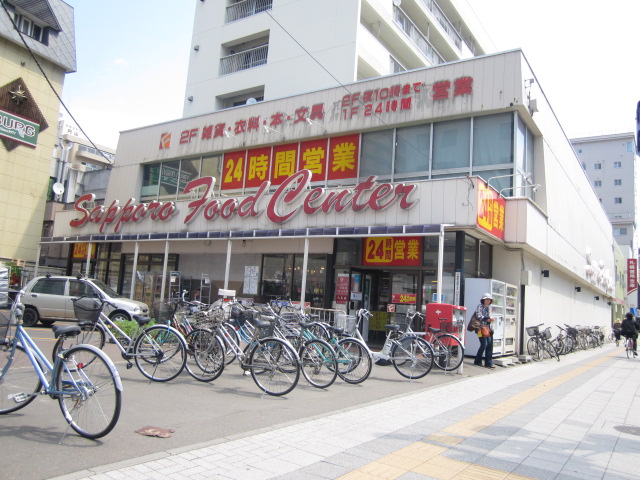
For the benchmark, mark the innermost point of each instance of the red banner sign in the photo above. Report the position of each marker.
(490, 210)
(403, 298)
(632, 275)
(80, 250)
(404, 251)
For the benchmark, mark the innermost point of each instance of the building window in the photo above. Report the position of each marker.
(30, 28)
(617, 200)
(617, 182)
(597, 166)
(597, 183)
(493, 139)
(412, 149)
(167, 180)
(620, 231)
(629, 146)
(376, 153)
(451, 141)
(584, 166)
(617, 164)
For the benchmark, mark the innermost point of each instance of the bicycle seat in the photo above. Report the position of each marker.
(259, 323)
(65, 331)
(393, 328)
(305, 324)
(141, 320)
(434, 330)
(336, 330)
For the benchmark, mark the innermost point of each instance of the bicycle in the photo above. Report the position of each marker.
(412, 356)
(354, 362)
(176, 315)
(272, 362)
(539, 345)
(628, 347)
(447, 348)
(82, 378)
(159, 351)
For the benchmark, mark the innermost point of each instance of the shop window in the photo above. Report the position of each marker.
(212, 167)
(189, 170)
(451, 142)
(470, 257)
(491, 177)
(430, 253)
(493, 139)
(412, 150)
(348, 251)
(150, 182)
(169, 179)
(316, 279)
(376, 153)
(276, 276)
(485, 259)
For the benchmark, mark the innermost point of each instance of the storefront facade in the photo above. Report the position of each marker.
(368, 195)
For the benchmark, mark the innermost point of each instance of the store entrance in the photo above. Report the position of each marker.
(387, 294)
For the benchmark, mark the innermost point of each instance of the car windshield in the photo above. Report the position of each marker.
(106, 289)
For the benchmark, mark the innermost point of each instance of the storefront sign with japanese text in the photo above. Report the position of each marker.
(403, 298)
(342, 288)
(490, 210)
(80, 250)
(405, 251)
(632, 275)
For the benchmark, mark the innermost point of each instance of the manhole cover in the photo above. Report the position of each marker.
(628, 429)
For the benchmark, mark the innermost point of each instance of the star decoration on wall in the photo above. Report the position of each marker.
(18, 95)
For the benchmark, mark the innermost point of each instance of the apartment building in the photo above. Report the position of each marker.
(246, 51)
(34, 35)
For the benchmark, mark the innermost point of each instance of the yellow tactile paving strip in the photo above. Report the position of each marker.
(425, 458)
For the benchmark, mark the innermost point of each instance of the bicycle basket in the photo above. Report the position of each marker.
(347, 323)
(546, 334)
(402, 321)
(87, 309)
(162, 312)
(533, 331)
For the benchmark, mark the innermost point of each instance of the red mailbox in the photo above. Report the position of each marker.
(446, 317)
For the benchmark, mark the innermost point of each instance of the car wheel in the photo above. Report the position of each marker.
(119, 317)
(30, 317)
(47, 323)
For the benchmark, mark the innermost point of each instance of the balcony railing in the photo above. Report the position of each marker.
(246, 8)
(444, 22)
(416, 36)
(244, 60)
(396, 66)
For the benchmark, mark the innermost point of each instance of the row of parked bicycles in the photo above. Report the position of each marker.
(542, 344)
(274, 343)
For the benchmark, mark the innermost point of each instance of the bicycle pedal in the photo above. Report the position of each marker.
(246, 373)
(19, 397)
(129, 365)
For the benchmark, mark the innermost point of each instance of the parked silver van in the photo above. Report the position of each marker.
(48, 299)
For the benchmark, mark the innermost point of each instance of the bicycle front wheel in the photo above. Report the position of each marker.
(19, 384)
(412, 357)
(534, 349)
(205, 355)
(318, 363)
(549, 350)
(448, 352)
(629, 348)
(90, 334)
(160, 353)
(274, 366)
(91, 396)
(354, 361)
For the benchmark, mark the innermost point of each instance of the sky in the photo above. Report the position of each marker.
(132, 60)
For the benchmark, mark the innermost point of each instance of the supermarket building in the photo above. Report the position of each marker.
(383, 194)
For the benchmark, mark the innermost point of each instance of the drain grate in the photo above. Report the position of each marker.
(630, 429)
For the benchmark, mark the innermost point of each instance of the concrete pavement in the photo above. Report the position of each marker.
(567, 420)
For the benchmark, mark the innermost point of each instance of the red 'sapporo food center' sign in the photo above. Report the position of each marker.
(293, 197)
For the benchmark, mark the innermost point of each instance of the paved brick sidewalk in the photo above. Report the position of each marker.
(563, 420)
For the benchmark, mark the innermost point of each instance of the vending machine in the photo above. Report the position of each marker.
(503, 309)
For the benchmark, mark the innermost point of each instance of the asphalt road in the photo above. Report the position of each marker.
(36, 444)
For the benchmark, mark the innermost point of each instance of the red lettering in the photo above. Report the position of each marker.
(110, 215)
(207, 182)
(315, 194)
(379, 193)
(302, 178)
(79, 222)
(211, 210)
(228, 208)
(248, 206)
